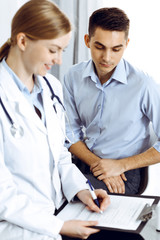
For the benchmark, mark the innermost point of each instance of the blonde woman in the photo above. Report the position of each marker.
(36, 173)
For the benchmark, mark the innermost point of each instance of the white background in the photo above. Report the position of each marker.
(144, 48)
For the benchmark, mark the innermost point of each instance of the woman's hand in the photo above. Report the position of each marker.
(83, 229)
(87, 199)
(78, 229)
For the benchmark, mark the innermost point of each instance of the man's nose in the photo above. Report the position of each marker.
(107, 55)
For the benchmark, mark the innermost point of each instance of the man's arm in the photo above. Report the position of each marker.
(80, 150)
(109, 167)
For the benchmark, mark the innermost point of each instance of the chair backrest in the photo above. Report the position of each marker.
(151, 175)
(144, 180)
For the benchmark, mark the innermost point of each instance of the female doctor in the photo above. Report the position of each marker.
(36, 173)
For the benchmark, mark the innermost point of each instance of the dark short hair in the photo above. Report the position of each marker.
(112, 19)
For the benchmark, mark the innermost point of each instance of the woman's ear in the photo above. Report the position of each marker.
(87, 40)
(21, 41)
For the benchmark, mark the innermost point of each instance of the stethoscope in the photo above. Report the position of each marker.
(54, 95)
(17, 131)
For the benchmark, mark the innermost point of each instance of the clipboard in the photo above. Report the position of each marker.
(126, 233)
(142, 223)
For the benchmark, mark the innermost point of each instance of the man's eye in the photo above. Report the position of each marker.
(99, 47)
(116, 49)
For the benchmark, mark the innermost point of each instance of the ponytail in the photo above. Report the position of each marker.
(4, 50)
(38, 19)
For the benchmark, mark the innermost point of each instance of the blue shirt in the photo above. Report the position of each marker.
(116, 116)
(35, 97)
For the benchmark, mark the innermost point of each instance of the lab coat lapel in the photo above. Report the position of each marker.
(55, 138)
(28, 112)
(19, 103)
(52, 123)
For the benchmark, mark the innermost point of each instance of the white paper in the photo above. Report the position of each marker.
(122, 213)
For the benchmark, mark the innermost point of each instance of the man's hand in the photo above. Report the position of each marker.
(105, 168)
(111, 172)
(115, 184)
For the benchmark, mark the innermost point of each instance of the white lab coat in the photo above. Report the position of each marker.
(31, 185)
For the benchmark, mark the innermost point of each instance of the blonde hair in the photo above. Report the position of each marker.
(38, 19)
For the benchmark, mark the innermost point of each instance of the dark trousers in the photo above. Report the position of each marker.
(110, 235)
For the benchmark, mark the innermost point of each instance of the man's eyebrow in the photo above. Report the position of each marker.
(96, 42)
(117, 46)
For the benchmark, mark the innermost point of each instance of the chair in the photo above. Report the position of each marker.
(150, 179)
(144, 180)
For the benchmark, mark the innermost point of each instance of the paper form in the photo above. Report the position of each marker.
(121, 213)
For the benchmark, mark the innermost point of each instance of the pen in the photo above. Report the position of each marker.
(93, 194)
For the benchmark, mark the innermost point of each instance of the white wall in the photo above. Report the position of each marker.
(7, 11)
(144, 48)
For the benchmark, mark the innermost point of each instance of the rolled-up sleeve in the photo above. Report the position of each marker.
(151, 106)
(73, 122)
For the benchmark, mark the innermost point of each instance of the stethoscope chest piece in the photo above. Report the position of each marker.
(16, 131)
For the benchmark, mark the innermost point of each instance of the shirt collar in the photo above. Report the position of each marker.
(37, 86)
(119, 73)
(89, 72)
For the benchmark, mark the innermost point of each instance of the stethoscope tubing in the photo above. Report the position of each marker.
(6, 112)
(53, 94)
(18, 129)
(52, 97)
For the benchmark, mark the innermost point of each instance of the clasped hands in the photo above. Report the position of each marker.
(111, 173)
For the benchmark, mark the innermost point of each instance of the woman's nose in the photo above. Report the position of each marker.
(58, 58)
